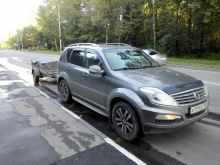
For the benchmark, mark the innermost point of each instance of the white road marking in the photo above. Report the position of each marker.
(211, 83)
(21, 72)
(18, 59)
(71, 113)
(124, 151)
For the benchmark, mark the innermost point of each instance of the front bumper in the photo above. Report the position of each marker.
(152, 125)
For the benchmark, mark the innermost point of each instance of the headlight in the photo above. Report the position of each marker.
(206, 91)
(157, 96)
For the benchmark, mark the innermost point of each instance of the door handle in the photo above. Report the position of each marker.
(67, 68)
(85, 74)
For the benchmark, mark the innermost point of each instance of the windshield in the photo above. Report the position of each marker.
(128, 59)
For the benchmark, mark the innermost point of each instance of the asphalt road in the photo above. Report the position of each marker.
(195, 144)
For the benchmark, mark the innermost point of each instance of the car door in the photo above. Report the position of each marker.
(93, 85)
(75, 71)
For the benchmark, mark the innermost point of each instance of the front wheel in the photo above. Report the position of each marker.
(126, 122)
(64, 91)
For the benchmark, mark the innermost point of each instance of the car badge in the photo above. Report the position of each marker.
(196, 95)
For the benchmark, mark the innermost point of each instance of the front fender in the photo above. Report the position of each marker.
(129, 96)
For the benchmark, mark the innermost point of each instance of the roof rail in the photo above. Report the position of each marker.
(83, 44)
(119, 44)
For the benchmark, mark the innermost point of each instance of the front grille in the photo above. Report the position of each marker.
(189, 96)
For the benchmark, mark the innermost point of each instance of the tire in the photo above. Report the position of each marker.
(35, 78)
(64, 91)
(125, 122)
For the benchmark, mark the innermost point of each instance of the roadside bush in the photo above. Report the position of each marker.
(212, 56)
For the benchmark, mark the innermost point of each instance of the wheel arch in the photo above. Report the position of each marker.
(124, 95)
(58, 82)
(63, 76)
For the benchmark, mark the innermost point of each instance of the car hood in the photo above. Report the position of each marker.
(162, 78)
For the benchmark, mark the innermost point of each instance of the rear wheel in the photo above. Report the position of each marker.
(64, 91)
(126, 122)
(35, 78)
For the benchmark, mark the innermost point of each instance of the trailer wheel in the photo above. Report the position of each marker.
(35, 78)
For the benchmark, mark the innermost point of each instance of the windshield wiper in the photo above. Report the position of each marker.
(136, 67)
(147, 66)
(125, 68)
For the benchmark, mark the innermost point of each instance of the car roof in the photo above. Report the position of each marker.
(101, 46)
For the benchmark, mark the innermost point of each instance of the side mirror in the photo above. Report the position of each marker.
(95, 69)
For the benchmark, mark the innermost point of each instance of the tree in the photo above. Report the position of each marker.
(48, 22)
(11, 41)
(180, 27)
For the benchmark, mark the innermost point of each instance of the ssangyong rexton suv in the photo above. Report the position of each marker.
(130, 88)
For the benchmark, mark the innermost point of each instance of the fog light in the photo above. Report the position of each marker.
(168, 117)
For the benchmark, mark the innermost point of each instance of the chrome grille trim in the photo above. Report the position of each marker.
(189, 96)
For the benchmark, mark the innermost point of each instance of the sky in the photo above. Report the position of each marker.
(15, 14)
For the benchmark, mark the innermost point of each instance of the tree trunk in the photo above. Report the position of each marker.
(189, 32)
(201, 45)
(154, 23)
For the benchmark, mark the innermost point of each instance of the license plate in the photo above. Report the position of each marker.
(198, 108)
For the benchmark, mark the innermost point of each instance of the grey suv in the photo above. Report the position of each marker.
(126, 85)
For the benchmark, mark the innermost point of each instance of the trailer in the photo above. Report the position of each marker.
(44, 67)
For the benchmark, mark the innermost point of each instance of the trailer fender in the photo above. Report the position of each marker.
(36, 72)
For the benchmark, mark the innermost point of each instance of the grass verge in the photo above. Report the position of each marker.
(194, 62)
(43, 51)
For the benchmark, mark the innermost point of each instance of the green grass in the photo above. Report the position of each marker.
(194, 62)
(44, 51)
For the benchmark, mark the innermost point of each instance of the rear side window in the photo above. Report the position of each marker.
(76, 57)
(68, 53)
(65, 56)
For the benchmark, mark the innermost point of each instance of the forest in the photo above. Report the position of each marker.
(179, 28)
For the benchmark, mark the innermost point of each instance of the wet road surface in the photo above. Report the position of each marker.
(139, 148)
(196, 144)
